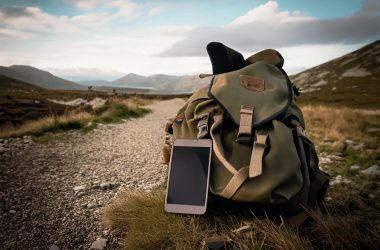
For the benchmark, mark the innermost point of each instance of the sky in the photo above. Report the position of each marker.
(95, 39)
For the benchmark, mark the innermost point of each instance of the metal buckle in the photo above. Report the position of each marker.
(202, 126)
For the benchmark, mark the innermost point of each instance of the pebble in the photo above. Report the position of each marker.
(372, 170)
(355, 167)
(337, 158)
(79, 188)
(12, 211)
(355, 145)
(99, 244)
(53, 247)
(373, 130)
(107, 185)
(242, 229)
(91, 205)
(339, 179)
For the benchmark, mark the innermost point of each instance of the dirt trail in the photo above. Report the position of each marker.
(53, 193)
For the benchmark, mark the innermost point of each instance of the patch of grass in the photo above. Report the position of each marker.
(148, 226)
(339, 124)
(115, 110)
(49, 124)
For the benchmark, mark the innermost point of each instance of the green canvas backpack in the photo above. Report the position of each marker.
(261, 155)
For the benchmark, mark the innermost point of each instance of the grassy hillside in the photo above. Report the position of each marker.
(21, 102)
(352, 80)
(38, 77)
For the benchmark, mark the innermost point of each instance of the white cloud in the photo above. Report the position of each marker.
(34, 19)
(78, 74)
(155, 11)
(269, 12)
(265, 26)
(85, 4)
(15, 34)
(124, 8)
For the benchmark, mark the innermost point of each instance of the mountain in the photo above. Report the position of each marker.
(94, 83)
(350, 80)
(162, 82)
(8, 84)
(38, 77)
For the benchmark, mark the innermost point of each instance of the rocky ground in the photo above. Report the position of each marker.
(52, 194)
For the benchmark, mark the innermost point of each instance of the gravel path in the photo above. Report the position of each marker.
(52, 194)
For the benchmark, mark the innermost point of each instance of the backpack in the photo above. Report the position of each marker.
(261, 157)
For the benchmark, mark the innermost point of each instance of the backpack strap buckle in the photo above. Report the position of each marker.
(203, 126)
(245, 128)
(256, 164)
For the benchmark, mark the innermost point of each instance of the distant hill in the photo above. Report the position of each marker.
(94, 83)
(350, 80)
(38, 77)
(162, 82)
(8, 84)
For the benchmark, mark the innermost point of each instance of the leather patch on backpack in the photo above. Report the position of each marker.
(252, 83)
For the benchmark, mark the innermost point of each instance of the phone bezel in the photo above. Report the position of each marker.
(189, 209)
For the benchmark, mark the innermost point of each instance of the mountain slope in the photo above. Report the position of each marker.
(351, 80)
(8, 84)
(38, 77)
(94, 83)
(162, 82)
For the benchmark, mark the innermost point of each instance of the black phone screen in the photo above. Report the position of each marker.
(188, 176)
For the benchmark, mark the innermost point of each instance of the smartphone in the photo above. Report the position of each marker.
(188, 180)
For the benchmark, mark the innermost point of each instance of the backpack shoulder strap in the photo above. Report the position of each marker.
(270, 56)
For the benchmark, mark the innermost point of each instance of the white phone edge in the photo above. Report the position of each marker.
(189, 209)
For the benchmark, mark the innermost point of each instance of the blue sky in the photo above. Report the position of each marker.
(87, 39)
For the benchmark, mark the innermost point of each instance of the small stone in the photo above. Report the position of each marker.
(242, 229)
(372, 170)
(339, 180)
(350, 142)
(79, 188)
(107, 185)
(355, 145)
(12, 211)
(53, 247)
(106, 233)
(355, 167)
(371, 196)
(333, 88)
(91, 205)
(326, 139)
(89, 124)
(373, 130)
(80, 194)
(99, 244)
(337, 158)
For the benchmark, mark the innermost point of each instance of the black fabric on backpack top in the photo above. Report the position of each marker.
(224, 59)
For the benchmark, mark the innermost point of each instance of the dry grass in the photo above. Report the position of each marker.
(344, 231)
(150, 227)
(142, 216)
(49, 124)
(340, 124)
(114, 111)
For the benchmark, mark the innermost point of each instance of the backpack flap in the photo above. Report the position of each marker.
(270, 56)
(258, 91)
